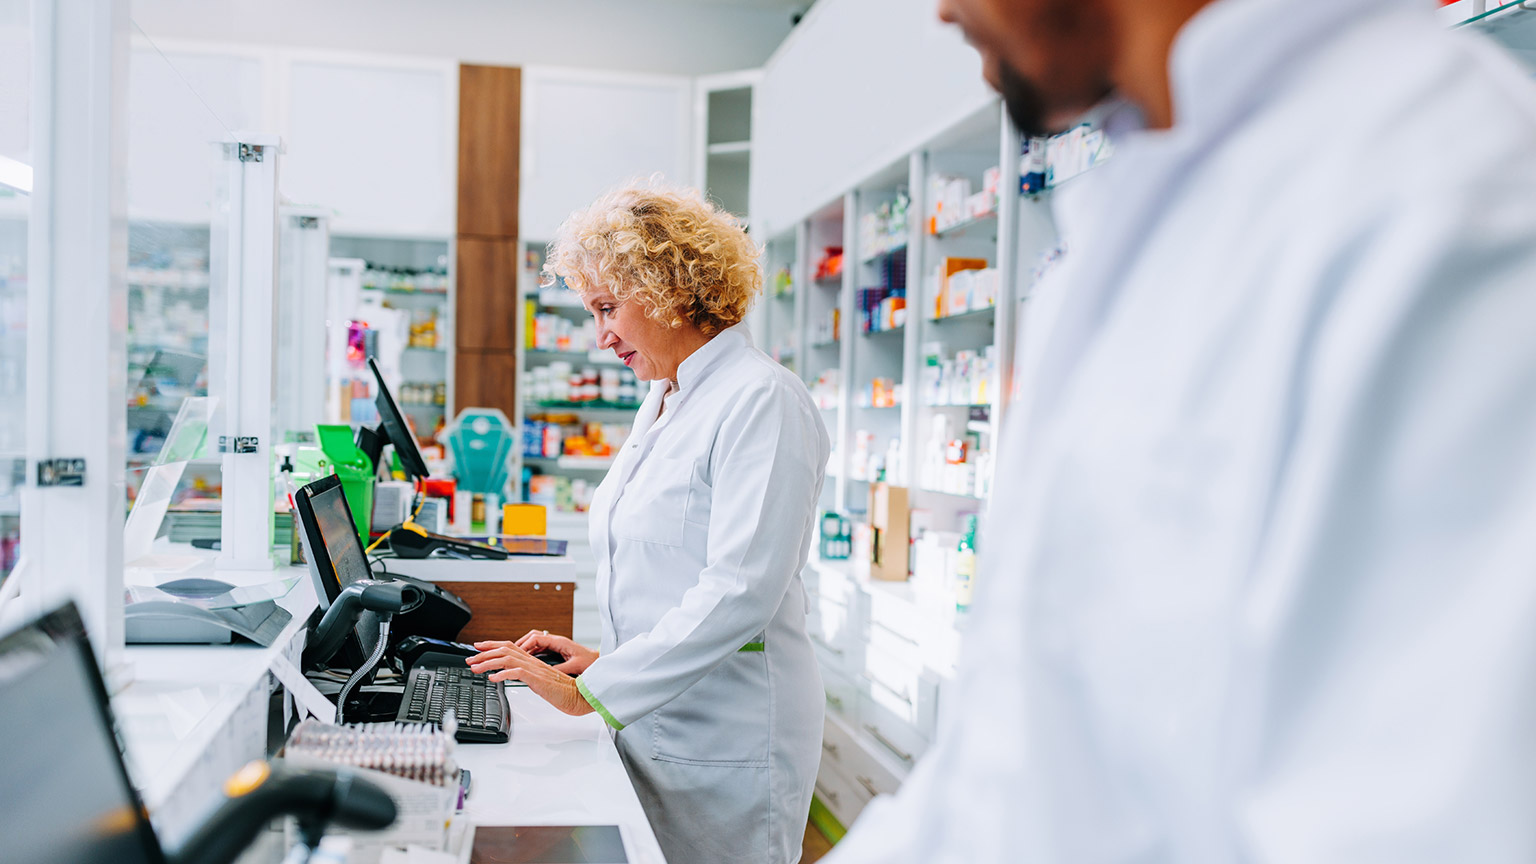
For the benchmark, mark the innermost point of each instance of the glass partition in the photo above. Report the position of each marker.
(15, 184)
(182, 110)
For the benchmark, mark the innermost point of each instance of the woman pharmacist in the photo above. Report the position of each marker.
(700, 530)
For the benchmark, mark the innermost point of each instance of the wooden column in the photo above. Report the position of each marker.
(490, 116)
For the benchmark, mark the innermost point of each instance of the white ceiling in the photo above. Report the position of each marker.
(687, 37)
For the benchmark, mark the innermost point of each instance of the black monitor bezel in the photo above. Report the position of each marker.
(315, 552)
(394, 427)
(65, 629)
(318, 556)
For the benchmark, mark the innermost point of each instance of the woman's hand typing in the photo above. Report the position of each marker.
(507, 662)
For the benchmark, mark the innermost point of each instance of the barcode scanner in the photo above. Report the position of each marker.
(409, 540)
(259, 792)
(387, 598)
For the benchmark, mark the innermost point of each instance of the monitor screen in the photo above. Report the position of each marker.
(66, 790)
(396, 429)
(336, 557)
(338, 532)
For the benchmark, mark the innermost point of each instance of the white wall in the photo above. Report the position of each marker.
(859, 84)
(625, 35)
(15, 81)
(584, 133)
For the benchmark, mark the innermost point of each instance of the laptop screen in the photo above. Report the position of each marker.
(66, 790)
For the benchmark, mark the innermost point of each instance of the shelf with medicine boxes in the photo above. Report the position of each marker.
(169, 289)
(391, 299)
(775, 319)
(909, 328)
(822, 306)
(879, 315)
(576, 402)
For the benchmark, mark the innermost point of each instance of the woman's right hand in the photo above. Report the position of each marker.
(577, 657)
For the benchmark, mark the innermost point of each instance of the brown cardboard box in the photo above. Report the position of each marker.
(889, 519)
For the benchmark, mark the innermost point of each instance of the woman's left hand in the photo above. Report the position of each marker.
(507, 662)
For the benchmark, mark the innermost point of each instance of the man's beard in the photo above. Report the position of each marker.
(1024, 101)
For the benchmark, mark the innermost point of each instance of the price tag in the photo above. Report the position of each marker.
(239, 444)
(61, 472)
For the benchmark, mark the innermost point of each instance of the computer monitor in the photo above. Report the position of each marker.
(67, 796)
(392, 424)
(336, 557)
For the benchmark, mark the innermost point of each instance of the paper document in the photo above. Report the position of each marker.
(310, 699)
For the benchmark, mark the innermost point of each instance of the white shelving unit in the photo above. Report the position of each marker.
(886, 649)
(776, 319)
(404, 290)
(896, 387)
(723, 138)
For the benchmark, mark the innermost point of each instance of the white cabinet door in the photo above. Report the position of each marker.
(376, 141)
(584, 133)
(182, 104)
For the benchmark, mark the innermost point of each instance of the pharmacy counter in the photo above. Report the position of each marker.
(192, 715)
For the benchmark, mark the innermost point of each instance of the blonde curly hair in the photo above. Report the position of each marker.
(683, 259)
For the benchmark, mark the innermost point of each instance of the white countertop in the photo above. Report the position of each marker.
(181, 698)
(555, 770)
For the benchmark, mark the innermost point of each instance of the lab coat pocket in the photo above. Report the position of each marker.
(655, 501)
(722, 719)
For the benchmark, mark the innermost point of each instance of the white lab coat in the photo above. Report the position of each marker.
(1259, 581)
(701, 528)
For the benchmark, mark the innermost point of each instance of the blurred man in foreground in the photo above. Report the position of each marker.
(1261, 578)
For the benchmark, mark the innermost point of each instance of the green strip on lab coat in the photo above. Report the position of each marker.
(586, 694)
(751, 646)
(825, 822)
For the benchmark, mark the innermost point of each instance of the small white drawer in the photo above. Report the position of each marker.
(842, 694)
(891, 728)
(899, 681)
(902, 679)
(831, 626)
(880, 636)
(874, 771)
(898, 614)
(844, 797)
(838, 740)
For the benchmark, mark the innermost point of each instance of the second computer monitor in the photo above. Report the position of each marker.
(396, 429)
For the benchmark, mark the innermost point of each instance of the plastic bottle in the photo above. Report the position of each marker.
(965, 566)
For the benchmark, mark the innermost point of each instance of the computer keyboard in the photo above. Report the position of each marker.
(479, 705)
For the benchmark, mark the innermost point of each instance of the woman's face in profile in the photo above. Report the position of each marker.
(643, 345)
